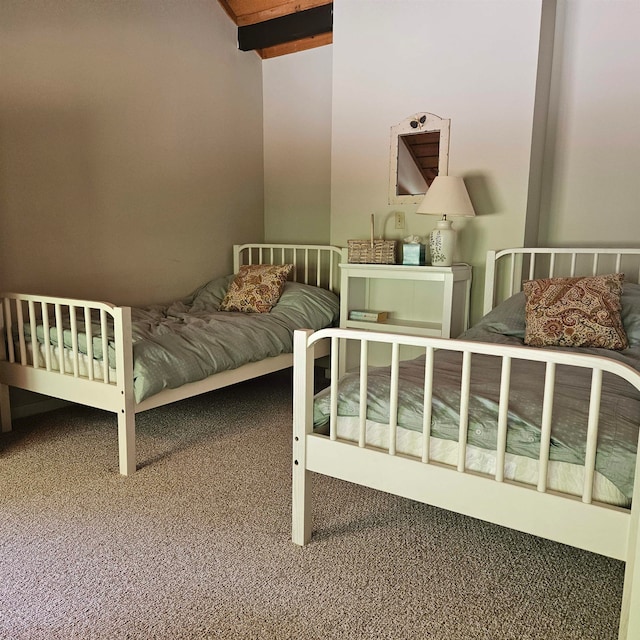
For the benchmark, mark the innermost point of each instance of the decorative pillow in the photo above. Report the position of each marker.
(256, 288)
(631, 312)
(506, 318)
(575, 312)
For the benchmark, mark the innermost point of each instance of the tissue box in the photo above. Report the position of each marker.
(413, 254)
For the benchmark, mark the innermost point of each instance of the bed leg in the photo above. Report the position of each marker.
(630, 613)
(5, 408)
(303, 361)
(124, 375)
(127, 441)
(301, 506)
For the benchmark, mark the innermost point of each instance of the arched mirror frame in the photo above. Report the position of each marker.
(415, 124)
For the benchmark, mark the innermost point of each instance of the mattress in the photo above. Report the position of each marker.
(561, 476)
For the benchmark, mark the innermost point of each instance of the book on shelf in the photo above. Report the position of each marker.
(368, 316)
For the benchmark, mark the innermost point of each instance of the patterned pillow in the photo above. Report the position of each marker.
(575, 312)
(631, 312)
(256, 288)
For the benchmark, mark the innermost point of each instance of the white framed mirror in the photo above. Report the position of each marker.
(419, 152)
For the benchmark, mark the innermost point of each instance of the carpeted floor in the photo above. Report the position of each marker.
(197, 543)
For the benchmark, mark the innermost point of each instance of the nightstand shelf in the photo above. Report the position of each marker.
(397, 325)
(420, 300)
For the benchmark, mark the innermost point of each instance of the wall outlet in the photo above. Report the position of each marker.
(399, 217)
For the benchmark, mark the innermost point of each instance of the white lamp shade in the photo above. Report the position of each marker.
(447, 196)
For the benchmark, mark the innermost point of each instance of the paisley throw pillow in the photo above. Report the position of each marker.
(256, 288)
(575, 312)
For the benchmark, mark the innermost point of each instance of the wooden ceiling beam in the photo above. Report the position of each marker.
(295, 46)
(245, 13)
(294, 26)
(253, 11)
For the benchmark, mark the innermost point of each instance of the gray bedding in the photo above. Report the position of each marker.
(620, 404)
(189, 340)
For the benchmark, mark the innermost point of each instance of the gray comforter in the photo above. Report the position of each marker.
(189, 340)
(619, 415)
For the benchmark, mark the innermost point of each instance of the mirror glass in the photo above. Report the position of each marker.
(419, 152)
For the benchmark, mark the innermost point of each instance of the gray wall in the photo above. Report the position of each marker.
(131, 147)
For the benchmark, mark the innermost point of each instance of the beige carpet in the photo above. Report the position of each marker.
(197, 543)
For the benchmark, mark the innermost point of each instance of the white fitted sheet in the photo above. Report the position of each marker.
(562, 476)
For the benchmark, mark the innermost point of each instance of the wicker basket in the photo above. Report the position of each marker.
(371, 251)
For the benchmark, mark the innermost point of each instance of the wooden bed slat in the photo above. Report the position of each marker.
(364, 384)
(33, 328)
(105, 346)
(47, 342)
(465, 386)
(393, 399)
(21, 341)
(8, 328)
(503, 413)
(89, 337)
(333, 430)
(512, 274)
(545, 433)
(74, 341)
(58, 317)
(592, 435)
(427, 406)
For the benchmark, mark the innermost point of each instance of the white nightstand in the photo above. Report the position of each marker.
(419, 300)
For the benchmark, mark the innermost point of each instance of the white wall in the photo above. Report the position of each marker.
(472, 61)
(131, 156)
(485, 64)
(592, 190)
(297, 146)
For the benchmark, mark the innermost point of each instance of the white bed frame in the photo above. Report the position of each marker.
(579, 522)
(313, 264)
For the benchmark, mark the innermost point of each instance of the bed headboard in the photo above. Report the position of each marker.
(507, 269)
(312, 263)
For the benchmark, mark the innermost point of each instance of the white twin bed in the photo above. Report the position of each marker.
(542, 440)
(164, 353)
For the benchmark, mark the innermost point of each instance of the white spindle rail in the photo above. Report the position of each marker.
(313, 264)
(35, 312)
(512, 260)
(598, 365)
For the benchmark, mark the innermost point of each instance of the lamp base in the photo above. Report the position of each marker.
(442, 244)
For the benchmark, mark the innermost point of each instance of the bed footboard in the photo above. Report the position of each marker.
(74, 350)
(578, 521)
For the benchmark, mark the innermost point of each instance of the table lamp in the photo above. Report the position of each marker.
(447, 196)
